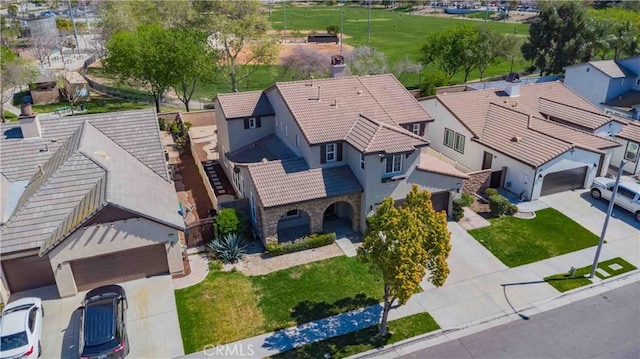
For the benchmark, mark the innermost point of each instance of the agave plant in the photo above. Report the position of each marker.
(229, 249)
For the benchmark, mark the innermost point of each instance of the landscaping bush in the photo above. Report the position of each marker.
(433, 80)
(511, 210)
(491, 192)
(230, 249)
(458, 206)
(229, 221)
(315, 240)
(500, 205)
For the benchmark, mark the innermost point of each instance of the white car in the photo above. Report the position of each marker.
(21, 329)
(628, 196)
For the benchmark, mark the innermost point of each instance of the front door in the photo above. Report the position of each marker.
(486, 160)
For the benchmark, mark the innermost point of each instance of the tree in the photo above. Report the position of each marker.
(403, 243)
(42, 46)
(491, 47)
(305, 62)
(450, 49)
(557, 38)
(236, 26)
(14, 72)
(404, 66)
(433, 80)
(333, 30)
(365, 60)
(613, 29)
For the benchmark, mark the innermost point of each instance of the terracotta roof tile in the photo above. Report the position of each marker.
(611, 68)
(570, 135)
(291, 181)
(630, 132)
(429, 163)
(576, 116)
(245, 104)
(370, 136)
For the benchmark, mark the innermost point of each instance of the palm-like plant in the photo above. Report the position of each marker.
(229, 249)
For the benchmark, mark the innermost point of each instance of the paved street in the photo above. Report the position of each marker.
(604, 326)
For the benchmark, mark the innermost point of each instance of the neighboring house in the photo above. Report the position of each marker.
(629, 138)
(536, 139)
(86, 200)
(614, 85)
(321, 155)
(38, 27)
(76, 86)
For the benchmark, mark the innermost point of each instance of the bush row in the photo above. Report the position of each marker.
(499, 204)
(314, 240)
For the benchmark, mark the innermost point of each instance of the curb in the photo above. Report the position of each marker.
(440, 336)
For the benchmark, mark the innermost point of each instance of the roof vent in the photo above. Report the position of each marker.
(335, 102)
(515, 103)
(102, 154)
(358, 91)
(516, 139)
(40, 170)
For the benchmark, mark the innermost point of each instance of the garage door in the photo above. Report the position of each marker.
(440, 201)
(563, 181)
(28, 273)
(120, 266)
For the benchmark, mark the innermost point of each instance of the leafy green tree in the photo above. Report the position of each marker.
(432, 80)
(613, 30)
(492, 47)
(228, 221)
(404, 243)
(64, 24)
(451, 49)
(236, 25)
(557, 38)
(333, 29)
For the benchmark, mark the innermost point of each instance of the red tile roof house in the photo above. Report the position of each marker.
(86, 200)
(321, 155)
(537, 139)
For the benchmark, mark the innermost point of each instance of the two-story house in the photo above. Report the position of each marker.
(314, 154)
(536, 139)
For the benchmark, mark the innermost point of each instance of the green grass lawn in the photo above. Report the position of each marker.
(230, 306)
(9, 116)
(562, 282)
(518, 241)
(364, 339)
(97, 105)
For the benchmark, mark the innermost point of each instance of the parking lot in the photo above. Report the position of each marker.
(152, 320)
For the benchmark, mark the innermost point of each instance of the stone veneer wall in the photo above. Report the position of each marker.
(268, 217)
(477, 181)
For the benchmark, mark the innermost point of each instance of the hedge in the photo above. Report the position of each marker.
(314, 240)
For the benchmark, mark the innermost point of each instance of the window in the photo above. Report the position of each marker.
(297, 141)
(252, 122)
(252, 200)
(286, 130)
(588, 69)
(416, 129)
(393, 164)
(626, 193)
(448, 137)
(459, 145)
(294, 213)
(362, 160)
(631, 153)
(330, 153)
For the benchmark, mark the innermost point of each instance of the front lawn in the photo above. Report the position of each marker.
(613, 267)
(364, 339)
(517, 241)
(96, 105)
(229, 306)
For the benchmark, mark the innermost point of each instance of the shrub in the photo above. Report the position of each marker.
(511, 210)
(229, 221)
(314, 240)
(333, 29)
(215, 265)
(466, 200)
(498, 205)
(230, 249)
(491, 192)
(433, 80)
(458, 206)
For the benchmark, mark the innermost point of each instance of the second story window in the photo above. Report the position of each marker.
(393, 164)
(448, 137)
(416, 129)
(252, 122)
(459, 145)
(330, 153)
(362, 160)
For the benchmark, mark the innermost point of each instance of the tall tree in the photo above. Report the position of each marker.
(42, 46)
(304, 62)
(236, 26)
(403, 243)
(15, 72)
(557, 38)
(404, 66)
(491, 48)
(365, 60)
(450, 49)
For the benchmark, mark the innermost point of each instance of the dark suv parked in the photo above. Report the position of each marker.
(103, 333)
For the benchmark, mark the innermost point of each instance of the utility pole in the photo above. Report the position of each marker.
(486, 13)
(606, 220)
(369, 26)
(75, 32)
(341, 30)
(284, 11)
(269, 10)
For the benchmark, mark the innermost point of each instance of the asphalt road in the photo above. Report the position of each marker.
(604, 326)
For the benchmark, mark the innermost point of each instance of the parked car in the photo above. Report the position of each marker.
(103, 332)
(21, 329)
(628, 196)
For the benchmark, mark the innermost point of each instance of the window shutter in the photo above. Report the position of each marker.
(258, 122)
(323, 153)
(339, 149)
(246, 123)
(423, 127)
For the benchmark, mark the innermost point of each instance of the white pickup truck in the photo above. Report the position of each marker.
(628, 196)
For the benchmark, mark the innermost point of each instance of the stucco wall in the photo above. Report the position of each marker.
(284, 117)
(592, 85)
(568, 160)
(618, 155)
(108, 238)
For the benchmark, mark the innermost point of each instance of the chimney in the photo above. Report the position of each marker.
(512, 87)
(29, 122)
(338, 67)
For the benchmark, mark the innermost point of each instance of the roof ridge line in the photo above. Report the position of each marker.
(377, 102)
(571, 106)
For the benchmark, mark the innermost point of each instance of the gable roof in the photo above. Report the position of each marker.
(570, 135)
(86, 173)
(325, 109)
(245, 104)
(612, 68)
(291, 181)
(630, 132)
(371, 136)
(470, 107)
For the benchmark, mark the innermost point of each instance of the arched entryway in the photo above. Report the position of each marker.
(292, 225)
(338, 217)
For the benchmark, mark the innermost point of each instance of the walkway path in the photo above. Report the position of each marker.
(479, 289)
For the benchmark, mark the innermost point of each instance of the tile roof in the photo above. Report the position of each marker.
(269, 147)
(507, 131)
(471, 107)
(371, 136)
(245, 104)
(625, 100)
(630, 132)
(612, 68)
(429, 163)
(570, 135)
(135, 131)
(86, 172)
(325, 109)
(291, 181)
(589, 120)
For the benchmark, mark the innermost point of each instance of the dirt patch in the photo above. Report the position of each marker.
(194, 193)
(288, 48)
(519, 17)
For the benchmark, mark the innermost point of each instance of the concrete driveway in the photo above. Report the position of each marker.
(152, 320)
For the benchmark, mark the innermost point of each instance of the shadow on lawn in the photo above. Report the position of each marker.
(307, 311)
